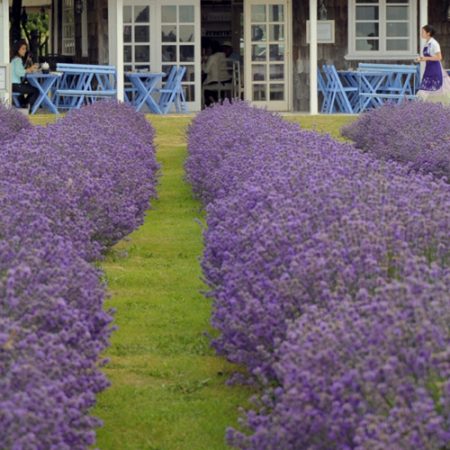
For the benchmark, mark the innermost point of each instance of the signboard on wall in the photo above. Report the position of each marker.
(5, 88)
(325, 32)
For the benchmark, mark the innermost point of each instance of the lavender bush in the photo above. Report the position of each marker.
(307, 220)
(12, 123)
(66, 192)
(416, 133)
(94, 174)
(367, 375)
(52, 331)
(296, 223)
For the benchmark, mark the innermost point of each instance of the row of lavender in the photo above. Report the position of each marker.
(67, 192)
(415, 133)
(329, 275)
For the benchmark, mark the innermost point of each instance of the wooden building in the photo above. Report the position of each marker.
(279, 53)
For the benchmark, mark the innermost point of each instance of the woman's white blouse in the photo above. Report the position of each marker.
(433, 46)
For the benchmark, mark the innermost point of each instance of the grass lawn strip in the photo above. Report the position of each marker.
(168, 389)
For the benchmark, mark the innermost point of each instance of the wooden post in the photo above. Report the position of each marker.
(423, 17)
(313, 94)
(4, 31)
(115, 44)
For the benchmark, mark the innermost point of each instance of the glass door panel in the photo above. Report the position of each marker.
(160, 34)
(267, 72)
(179, 44)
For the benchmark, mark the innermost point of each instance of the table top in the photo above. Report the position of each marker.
(145, 74)
(39, 74)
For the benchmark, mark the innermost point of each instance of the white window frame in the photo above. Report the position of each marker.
(68, 28)
(382, 53)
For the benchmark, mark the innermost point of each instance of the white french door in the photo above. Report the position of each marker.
(267, 39)
(159, 34)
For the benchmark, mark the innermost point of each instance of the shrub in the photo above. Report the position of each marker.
(94, 175)
(12, 123)
(52, 331)
(307, 220)
(364, 375)
(306, 236)
(66, 193)
(416, 133)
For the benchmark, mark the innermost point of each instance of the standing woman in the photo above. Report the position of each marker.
(18, 74)
(435, 85)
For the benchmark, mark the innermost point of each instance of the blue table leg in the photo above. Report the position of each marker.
(44, 89)
(144, 94)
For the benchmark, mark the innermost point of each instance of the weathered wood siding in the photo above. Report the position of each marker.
(337, 10)
(98, 31)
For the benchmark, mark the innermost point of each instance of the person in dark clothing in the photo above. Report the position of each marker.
(18, 75)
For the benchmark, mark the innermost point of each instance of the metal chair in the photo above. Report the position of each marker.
(172, 93)
(340, 95)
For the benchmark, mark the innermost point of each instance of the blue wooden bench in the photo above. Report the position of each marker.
(83, 83)
(386, 82)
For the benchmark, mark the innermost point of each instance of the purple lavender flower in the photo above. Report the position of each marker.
(12, 122)
(415, 133)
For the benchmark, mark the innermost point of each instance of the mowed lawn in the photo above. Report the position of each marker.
(168, 389)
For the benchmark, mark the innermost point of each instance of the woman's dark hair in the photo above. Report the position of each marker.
(16, 47)
(429, 29)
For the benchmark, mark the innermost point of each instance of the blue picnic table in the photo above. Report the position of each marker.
(371, 85)
(144, 85)
(45, 84)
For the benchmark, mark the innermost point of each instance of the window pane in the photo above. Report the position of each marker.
(397, 44)
(258, 52)
(127, 53)
(397, 1)
(190, 73)
(127, 33)
(397, 29)
(169, 14)
(186, 53)
(169, 33)
(367, 45)
(142, 53)
(258, 13)
(187, 33)
(277, 92)
(367, 30)
(276, 13)
(169, 53)
(142, 68)
(142, 14)
(367, 13)
(142, 33)
(276, 52)
(367, 1)
(276, 32)
(166, 69)
(258, 72)
(277, 72)
(259, 33)
(189, 92)
(187, 14)
(397, 13)
(127, 14)
(259, 92)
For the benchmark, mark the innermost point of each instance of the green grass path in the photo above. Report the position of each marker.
(168, 389)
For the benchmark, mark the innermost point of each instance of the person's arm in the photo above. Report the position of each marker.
(18, 69)
(435, 52)
(436, 57)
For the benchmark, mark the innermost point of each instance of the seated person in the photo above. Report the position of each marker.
(230, 53)
(18, 73)
(216, 71)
